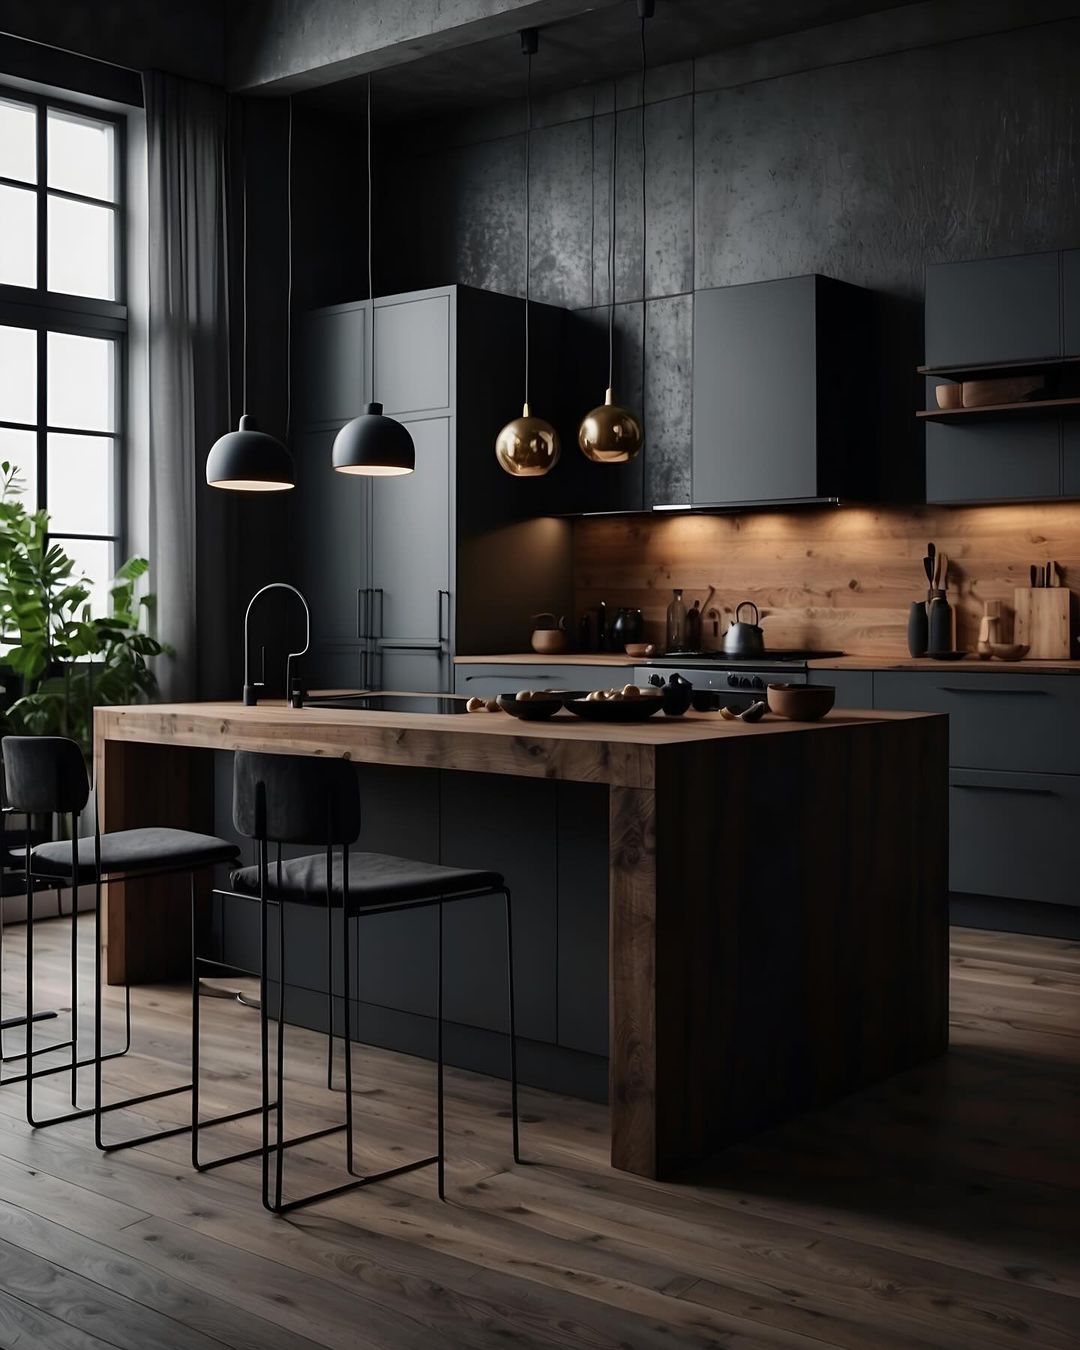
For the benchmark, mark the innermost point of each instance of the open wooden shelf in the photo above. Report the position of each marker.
(999, 368)
(1045, 407)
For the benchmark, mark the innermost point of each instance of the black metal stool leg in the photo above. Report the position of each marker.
(346, 1028)
(329, 988)
(441, 1152)
(75, 988)
(280, 1159)
(513, 1030)
(194, 1031)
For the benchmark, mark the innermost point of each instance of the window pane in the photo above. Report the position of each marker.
(18, 141)
(20, 448)
(81, 250)
(18, 375)
(18, 236)
(80, 484)
(93, 558)
(81, 152)
(81, 382)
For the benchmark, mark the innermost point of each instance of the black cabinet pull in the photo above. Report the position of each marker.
(378, 591)
(363, 612)
(1003, 787)
(442, 634)
(951, 689)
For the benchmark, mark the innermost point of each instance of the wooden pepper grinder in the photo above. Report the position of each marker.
(989, 629)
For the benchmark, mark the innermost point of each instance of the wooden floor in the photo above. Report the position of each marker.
(939, 1210)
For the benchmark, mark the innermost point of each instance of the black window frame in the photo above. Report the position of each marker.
(44, 311)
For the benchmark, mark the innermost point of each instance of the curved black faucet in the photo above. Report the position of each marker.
(251, 696)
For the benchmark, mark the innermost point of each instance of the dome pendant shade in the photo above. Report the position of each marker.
(374, 445)
(610, 434)
(249, 460)
(528, 446)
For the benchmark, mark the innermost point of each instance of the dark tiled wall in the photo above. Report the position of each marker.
(865, 170)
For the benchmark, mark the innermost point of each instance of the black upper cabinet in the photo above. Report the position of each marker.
(994, 311)
(1070, 307)
(781, 407)
(994, 461)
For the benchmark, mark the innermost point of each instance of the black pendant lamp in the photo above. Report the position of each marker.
(528, 446)
(373, 444)
(610, 433)
(250, 460)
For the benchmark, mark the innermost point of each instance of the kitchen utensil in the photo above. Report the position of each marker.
(745, 639)
(676, 696)
(918, 633)
(943, 571)
(931, 553)
(627, 626)
(613, 710)
(939, 626)
(1043, 621)
(928, 568)
(639, 650)
(533, 709)
(801, 702)
(549, 634)
(988, 629)
(1008, 651)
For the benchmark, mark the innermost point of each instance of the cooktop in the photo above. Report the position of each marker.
(767, 657)
(395, 703)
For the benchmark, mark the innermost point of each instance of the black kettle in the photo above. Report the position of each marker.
(745, 639)
(627, 626)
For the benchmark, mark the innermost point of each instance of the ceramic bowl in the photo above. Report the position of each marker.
(1008, 651)
(532, 709)
(549, 641)
(614, 710)
(801, 702)
(638, 650)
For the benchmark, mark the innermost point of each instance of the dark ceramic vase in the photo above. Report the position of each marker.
(676, 696)
(918, 632)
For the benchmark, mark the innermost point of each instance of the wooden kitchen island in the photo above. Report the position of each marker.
(777, 894)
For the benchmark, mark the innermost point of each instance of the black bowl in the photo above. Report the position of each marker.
(613, 710)
(531, 709)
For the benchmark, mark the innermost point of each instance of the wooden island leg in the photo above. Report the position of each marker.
(146, 929)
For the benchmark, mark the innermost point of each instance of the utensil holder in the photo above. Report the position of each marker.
(1044, 621)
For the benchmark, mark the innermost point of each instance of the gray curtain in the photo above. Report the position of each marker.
(186, 129)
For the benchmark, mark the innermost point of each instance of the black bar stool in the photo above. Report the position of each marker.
(307, 801)
(47, 774)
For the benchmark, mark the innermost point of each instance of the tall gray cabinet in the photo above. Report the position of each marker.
(380, 558)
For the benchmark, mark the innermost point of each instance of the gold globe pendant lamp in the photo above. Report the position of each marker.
(527, 447)
(611, 434)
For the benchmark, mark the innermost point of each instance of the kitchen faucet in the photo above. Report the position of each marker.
(251, 697)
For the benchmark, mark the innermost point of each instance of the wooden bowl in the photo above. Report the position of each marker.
(1009, 651)
(638, 650)
(801, 702)
(614, 710)
(531, 709)
(949, 395)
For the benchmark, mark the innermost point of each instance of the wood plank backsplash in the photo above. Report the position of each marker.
(838, 579)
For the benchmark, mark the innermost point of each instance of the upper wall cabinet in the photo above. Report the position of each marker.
(332, 364)
(780, 392)
(993, 311)
(412, 353)
(1070, 301)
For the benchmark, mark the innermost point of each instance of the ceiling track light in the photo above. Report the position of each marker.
(610, 433)
(528, 446)
(372, 445)
(250, 460)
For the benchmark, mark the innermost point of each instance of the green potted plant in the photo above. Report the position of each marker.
(67, 660)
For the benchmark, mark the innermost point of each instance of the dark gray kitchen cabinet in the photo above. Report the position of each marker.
(582, 931)
(1070, 457)
(484, 680)
(993, 310)
(1070, 301)
(332, 364)
(854, 688)
(1018, 460)
(780, 409)
(1012, 835)
(413, 343)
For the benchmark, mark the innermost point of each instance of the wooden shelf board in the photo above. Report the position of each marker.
(1044, 407)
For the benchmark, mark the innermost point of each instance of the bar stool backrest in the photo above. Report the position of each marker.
(45, 774)
(295, 799)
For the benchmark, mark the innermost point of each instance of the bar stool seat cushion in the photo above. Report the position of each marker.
(149, 849)
(374, 879)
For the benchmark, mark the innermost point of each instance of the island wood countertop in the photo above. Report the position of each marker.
(777, 893)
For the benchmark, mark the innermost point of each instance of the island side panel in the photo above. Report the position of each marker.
(147, 924)
(632, 980)
(801, 925)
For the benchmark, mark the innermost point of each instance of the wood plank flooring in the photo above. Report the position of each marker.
(940, 1209)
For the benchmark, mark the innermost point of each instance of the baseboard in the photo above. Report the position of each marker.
(1015, 916)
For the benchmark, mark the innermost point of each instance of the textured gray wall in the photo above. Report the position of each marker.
(864, 170)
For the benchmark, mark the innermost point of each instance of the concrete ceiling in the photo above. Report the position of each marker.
(588, 47)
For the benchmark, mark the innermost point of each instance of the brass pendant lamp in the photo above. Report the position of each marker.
(250, 460)
(373, 445)
(611, 434)
(527, 447)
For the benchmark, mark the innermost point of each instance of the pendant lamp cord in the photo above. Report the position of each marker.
(244, 266)
(528, 203)
(611, 235)
(289, 289)
(370, 253)
(644, 221)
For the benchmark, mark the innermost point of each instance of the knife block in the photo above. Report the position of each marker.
(1043, 621)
